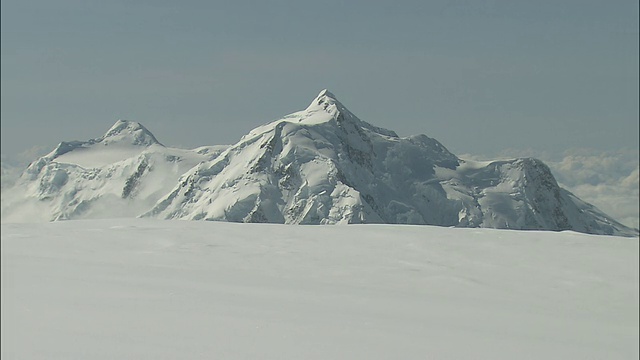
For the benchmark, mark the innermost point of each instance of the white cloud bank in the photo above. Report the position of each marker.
(12, 166)
(606, 179)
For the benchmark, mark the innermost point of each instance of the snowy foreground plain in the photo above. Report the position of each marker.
(151, 289)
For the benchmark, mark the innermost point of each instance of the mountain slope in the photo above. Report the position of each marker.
(323, 165)
(319, 166)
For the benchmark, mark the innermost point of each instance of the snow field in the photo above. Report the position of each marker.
(151, 289)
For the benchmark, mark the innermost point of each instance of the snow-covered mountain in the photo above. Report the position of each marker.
(321, 165)
(120, 174)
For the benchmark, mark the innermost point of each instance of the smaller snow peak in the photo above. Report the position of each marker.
(130, 132)
(124, 125)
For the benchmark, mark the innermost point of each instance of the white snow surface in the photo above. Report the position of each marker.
(152, 289)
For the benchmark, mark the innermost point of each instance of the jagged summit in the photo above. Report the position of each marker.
(324, 110)
(327, 102)
(327, 93)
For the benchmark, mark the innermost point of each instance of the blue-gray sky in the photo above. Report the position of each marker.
(480, 76)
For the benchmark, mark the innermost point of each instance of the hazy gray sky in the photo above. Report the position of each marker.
(480, 76)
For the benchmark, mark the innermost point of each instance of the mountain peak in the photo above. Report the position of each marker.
(123, 124)
(327, 102)
(326, 93)
(130, 132)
